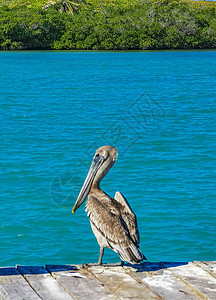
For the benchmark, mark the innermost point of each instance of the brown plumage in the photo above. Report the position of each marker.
(112, 220)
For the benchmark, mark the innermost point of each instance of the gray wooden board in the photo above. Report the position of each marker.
(122, 284)
(195, 277)
(14, 287)
(163, 282)
(79, 283)
(209, 266)
(42, 282)
(168, 281)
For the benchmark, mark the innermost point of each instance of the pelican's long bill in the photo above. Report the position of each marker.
(95, 166)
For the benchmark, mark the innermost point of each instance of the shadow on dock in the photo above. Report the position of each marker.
(154, 266)
(36, 270)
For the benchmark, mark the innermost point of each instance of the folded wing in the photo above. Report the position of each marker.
(129, 217)
(116, 222)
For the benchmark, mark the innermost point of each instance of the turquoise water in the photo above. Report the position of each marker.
(157, 108)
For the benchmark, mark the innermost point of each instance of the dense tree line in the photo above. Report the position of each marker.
(106, 25)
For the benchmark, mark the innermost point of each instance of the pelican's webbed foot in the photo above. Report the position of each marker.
(120, 264)
(106, 265)
(99, 263)
(86, 265)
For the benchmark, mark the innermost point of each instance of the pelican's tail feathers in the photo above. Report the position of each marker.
(131, 254)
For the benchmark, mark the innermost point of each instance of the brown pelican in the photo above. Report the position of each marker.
(113, 222)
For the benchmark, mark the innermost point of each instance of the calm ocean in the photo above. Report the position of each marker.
(157, 108)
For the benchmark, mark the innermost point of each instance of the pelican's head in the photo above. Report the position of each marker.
(103, 161)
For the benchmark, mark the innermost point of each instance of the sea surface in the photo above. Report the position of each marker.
(57, 108)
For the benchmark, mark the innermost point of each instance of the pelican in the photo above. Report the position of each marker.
(112, 220)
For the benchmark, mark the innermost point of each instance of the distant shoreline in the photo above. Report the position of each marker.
(108, 51)
(98, 25)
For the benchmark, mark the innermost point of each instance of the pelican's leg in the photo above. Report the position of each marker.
(101, 255)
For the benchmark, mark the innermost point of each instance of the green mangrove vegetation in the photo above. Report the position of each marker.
(107, 24)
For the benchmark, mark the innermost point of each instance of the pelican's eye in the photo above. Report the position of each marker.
(97, 157)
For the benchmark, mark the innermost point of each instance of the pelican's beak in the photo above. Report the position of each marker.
(95, 166)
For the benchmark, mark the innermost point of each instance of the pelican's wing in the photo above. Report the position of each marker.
(106, 218)
(129, 217)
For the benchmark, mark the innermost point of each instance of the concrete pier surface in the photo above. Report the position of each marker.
(150, 280)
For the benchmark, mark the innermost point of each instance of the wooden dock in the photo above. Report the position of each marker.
(164, 280)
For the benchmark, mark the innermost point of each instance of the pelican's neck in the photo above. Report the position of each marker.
(95, 186)
(98, 192)
(101, 173)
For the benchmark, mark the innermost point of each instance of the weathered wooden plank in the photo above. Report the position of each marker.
(79, 283)
(122, 284)
(14, 286)
(42, 282)
(195, 277)
(168, 281)
(209, 266)
(162, 281)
